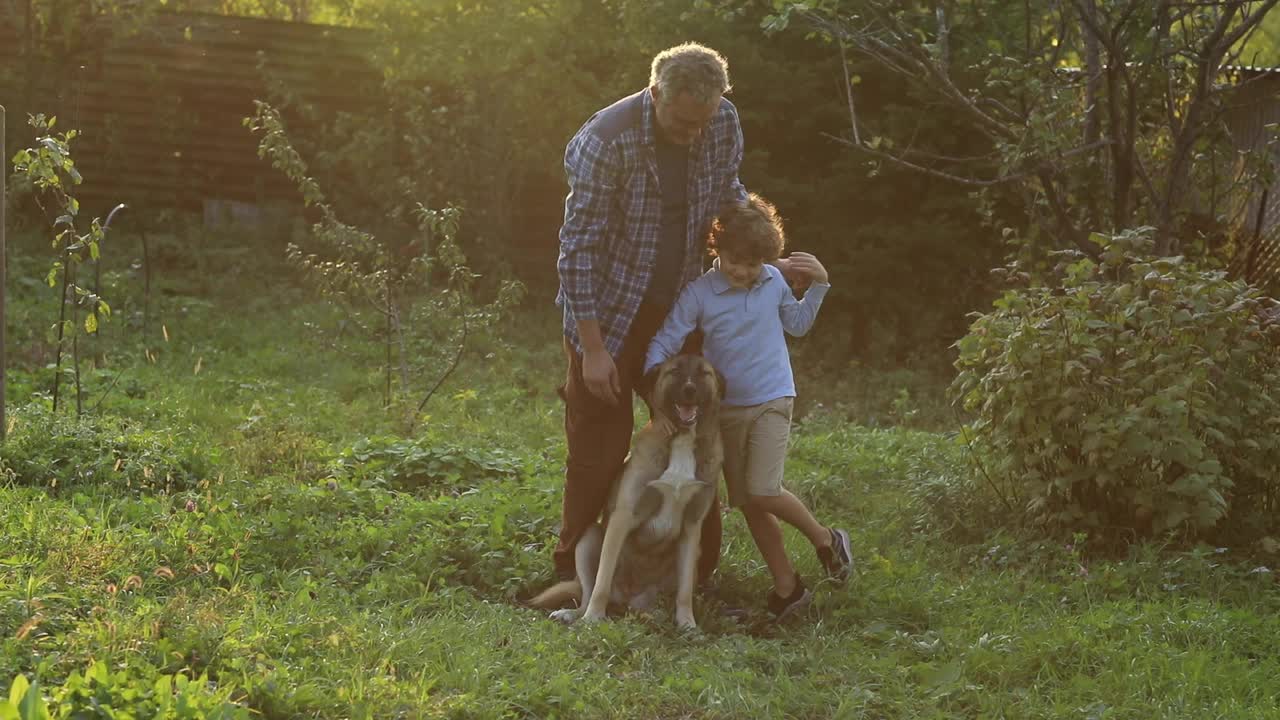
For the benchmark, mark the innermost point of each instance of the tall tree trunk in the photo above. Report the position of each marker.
(1092, 90)
(3, 360)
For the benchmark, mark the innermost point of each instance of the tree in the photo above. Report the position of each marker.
(1097, 116)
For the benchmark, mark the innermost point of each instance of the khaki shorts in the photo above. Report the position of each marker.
(755, 448)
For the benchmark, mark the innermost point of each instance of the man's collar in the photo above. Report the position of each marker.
(721, 285)
(648, 122)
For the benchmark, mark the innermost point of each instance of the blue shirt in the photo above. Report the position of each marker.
(743, 331)
(613, 213)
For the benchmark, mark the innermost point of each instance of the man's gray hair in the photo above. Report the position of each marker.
(692, 68)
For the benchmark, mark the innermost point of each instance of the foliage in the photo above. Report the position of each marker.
(302, 599)
(68, 454)
(1138, 396)
(354, 267)
(122, 695)
(49, 169)
(422, 464)
(472, 104)
(1092, 116)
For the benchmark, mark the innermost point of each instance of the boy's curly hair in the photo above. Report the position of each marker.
(750, 230)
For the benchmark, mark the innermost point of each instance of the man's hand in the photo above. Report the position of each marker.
(801, 269)
(601, 375)
(663, 425)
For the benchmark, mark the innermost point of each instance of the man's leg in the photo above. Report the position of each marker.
(598, 435)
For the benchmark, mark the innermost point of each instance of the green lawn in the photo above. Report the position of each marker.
(238, 507)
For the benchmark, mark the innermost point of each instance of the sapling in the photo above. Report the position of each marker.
(360, 270)
(48, 168)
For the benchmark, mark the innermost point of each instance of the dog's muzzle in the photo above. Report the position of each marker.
(687, 405)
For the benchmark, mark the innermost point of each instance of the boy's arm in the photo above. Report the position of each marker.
(798, 315)
(681, 321)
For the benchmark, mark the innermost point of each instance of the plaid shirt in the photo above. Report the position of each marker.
(612, 215)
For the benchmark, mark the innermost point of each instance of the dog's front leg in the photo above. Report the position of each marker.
(686, 573)
(587, 558)
(615, 534)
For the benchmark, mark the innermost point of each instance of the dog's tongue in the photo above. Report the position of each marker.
(687, 413)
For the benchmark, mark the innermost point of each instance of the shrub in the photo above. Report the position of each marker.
(423, 465)
(1136, 395)
(124, 693)
(58, 452)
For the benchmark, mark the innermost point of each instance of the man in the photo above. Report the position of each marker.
(646, 177)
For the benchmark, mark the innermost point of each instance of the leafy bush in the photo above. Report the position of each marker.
(123, 694)
(423, 464)
(1138, 395)
(58, 452)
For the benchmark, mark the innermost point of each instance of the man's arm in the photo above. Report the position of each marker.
(736, 190)
(590, 169)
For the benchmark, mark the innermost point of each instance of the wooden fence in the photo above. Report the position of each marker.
(1254, 107)
(160, 106)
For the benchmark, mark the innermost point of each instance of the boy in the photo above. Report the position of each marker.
(743, 306)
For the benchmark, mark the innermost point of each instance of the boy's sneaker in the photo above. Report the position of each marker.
(837, 559)
(781, 607)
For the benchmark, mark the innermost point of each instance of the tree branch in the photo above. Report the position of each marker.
(848, 90)
(963, 180)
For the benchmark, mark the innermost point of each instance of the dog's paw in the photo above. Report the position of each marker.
(592, 617)
(685, 622)
(568, 616)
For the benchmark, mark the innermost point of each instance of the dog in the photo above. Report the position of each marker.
(653, 518)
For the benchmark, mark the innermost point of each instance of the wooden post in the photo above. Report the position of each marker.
(4, 172)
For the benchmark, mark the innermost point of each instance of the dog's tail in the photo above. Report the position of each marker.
(556, 595)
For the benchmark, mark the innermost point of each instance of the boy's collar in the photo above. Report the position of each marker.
(720, 284)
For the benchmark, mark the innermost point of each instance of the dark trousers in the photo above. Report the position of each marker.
(599, 435)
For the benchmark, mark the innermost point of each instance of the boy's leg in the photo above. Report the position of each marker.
(766, 455)
(759, 435)
(767, 534)
(831, 544)
(791, 510)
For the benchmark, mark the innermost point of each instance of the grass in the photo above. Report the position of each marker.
(240, 508)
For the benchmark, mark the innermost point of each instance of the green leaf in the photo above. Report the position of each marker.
(91, 323)
(32, 706)
(18, 689)
(940, 678)
(164, 692)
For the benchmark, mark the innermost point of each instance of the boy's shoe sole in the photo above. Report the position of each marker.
(795, 606)
(842, 555)
(782, 608)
